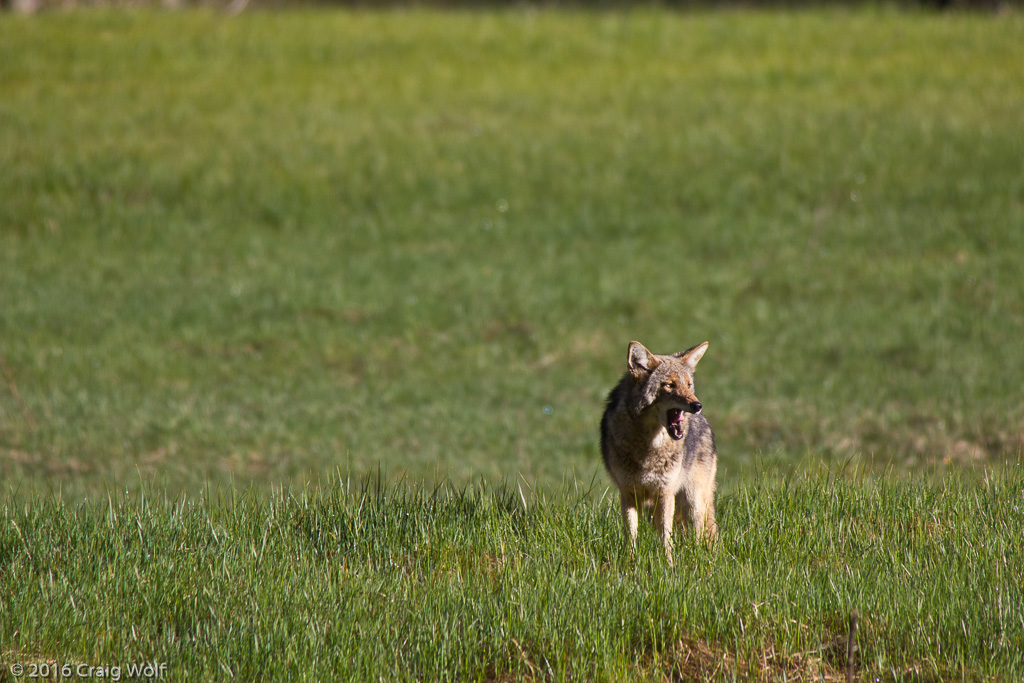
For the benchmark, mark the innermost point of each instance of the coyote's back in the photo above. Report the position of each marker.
(658, 446)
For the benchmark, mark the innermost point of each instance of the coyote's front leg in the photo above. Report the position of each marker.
(630, 519)
(663, 517)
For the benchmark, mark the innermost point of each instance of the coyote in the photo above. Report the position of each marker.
(658, 446)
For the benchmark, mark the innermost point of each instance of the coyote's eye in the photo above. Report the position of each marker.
(668, 386)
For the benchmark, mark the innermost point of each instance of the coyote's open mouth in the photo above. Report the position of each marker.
(675, 423)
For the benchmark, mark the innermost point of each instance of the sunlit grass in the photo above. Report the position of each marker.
(359, 581)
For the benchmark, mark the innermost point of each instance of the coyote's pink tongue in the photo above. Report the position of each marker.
(675, 423)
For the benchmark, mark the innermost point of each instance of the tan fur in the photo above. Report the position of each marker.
(658, 447)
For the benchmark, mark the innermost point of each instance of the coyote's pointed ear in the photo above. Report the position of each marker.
(691, 356)
(641, 361)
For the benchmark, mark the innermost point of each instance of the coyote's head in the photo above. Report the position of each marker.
(665, 384)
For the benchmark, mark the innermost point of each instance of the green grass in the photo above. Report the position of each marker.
(257, 249)
(246, 262)
(363, 582)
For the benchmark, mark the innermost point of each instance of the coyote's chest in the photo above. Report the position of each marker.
(658, 463)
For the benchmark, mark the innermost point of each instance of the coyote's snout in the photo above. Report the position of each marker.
(658, 446)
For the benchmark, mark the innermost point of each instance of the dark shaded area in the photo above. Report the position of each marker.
(234, 6)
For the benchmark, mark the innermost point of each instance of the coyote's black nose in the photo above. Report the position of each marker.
(695, 407)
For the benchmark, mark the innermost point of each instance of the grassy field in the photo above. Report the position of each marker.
(247, 262)
(385, 583)
(263, 248)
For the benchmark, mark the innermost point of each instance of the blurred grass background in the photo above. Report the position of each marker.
(265, 248)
